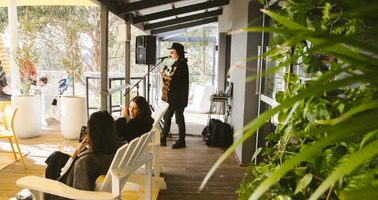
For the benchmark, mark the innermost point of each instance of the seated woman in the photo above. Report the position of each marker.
(140, 121)
(4, 96)
(81, 170)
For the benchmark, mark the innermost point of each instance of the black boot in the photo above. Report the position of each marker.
(179, 144)
(163, 142)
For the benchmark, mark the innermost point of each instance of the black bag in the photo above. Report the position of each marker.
(206, 132)
(226, 135)
(220, 134)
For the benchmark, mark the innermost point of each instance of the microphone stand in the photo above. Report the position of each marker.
(137, 83)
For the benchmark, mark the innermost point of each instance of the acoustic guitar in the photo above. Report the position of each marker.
(164, 88)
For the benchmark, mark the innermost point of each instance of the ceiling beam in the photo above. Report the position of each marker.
(183, 19)
(178, 11)
(186, 25)
(139, 5)
(110, 5)
(190, 39)
(167, 35)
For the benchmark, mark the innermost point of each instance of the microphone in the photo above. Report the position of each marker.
(164, 57)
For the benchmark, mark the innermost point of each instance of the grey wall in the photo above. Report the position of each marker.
(236, 16)
(220, 71)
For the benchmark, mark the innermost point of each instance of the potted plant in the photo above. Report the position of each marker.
(73, 108)
(28, 118)
(325, 144)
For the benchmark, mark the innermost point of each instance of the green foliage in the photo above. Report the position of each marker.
(325, 144)
(26, 52)
(308, 174)
(72, 60)
(322, 174)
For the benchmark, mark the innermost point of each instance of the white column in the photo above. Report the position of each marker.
(13, 34)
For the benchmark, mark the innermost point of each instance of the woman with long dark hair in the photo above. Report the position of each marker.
(3, 84)
(140, 120)
(91, 159)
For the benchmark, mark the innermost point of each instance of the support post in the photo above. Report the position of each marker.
(214, 60)
(13, 34)
(104, 59)
(127, 62)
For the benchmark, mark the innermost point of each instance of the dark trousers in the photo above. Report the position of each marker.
(180, 121)
(55, 162)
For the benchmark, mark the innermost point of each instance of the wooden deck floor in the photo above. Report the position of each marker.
(183, 169)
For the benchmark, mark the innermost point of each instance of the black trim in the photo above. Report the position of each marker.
(139, 5)
(183, 19)
(178, 11)
(186, 25)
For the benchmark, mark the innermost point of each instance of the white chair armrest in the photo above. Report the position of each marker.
(60, 189)
(144, 158)
(151, 144)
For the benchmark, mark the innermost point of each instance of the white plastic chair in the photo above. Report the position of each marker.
(155, 144)
(127, 159)
(48, 93)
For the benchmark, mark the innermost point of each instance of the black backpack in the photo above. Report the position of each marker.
(206, 132)
(218, 134)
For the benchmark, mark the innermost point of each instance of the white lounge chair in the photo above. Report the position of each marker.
(155, 144)
(48, 93)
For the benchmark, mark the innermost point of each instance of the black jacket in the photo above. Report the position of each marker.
(133, 128)
(178, 90)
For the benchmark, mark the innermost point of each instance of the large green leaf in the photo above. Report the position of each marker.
(368, 137)
(293, 78)
(303, 183)
(272, 136)
(286, 22)
(256, 153)
(280, 96)
(310, 64)
(280, 38)
(294, 88)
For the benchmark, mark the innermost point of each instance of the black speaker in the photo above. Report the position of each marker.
(145, 49)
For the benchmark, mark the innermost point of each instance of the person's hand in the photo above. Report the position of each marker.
(125, 111)
(82, 145)
(164, 76)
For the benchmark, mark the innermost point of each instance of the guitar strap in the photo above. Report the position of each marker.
(173, 70)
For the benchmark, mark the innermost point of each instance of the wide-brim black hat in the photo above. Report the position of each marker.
(178, 47)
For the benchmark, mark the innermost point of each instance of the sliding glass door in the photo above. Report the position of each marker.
(267, 85)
